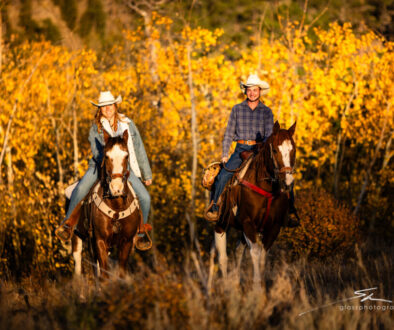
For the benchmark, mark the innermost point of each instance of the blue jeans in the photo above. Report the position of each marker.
(224, 176)
(90, 177)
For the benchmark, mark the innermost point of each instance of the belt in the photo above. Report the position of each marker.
(249, 142)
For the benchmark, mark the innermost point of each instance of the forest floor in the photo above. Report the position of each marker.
(157, 294)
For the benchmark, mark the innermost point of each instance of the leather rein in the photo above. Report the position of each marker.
(112, 176)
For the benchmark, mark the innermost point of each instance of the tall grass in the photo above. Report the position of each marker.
(158, 294)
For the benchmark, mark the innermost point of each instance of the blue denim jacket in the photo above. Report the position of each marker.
(96, 140)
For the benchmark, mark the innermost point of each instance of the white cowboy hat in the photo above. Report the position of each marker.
(254, 80)
(106, 98)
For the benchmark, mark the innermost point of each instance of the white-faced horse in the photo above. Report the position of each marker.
(256, 201)
(112, 210)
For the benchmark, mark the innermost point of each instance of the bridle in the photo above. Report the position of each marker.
(112, 176)
(280, 170)
(109, 177)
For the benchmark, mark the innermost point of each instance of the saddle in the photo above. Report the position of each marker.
(212, 170)
(210, 173)
(85, 225)
(246, 154)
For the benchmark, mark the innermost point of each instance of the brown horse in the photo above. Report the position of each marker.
(111, 208)
(256, 200)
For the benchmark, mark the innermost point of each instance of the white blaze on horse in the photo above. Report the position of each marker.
(256, 200)
(116, 158)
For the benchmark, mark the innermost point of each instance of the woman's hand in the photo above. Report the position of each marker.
(148, 182)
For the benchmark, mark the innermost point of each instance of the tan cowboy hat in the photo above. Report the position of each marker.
(106, 98)
(254, 80)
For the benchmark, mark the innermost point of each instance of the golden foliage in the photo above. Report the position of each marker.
(327, 227)
(339, 89)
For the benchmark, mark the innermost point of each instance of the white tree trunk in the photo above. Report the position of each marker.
(193, 132)
(337, 169)
(75, 143)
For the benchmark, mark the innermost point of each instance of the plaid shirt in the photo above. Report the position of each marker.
(248, 124)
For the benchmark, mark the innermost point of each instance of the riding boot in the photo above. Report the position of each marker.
(293, 218)
(212, 211)
(213, 214)
(66, 229)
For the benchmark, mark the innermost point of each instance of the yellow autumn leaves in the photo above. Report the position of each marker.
(338, 87)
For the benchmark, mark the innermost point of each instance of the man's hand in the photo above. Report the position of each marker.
(148, 182)
(224, 160)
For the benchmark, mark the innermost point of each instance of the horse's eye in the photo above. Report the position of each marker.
(275, 151)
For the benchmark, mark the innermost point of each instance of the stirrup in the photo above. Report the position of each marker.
(142, 245)
(64, 232)
(211, 217)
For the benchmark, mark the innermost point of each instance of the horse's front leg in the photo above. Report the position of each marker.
(77, 254)
(255, 253)
(102, 256)
(279, 212)
(124, 252)
(220, 243)
(239, 253)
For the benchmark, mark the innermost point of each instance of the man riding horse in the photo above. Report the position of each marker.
(250, 124)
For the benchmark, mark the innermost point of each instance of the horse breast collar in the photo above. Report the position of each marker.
(262, 192)
(103, 207)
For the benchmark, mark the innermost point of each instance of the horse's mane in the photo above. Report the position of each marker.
(260, 161)
(264, 153)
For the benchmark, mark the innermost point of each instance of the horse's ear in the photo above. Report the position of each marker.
(125, 136)
(291, 130)
(276, 128)
(106, 136)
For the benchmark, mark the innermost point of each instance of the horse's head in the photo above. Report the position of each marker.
(115, 160)
(282, 151)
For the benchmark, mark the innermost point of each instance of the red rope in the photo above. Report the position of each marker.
(262, 192)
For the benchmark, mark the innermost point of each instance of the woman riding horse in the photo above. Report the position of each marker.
(109, 119)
